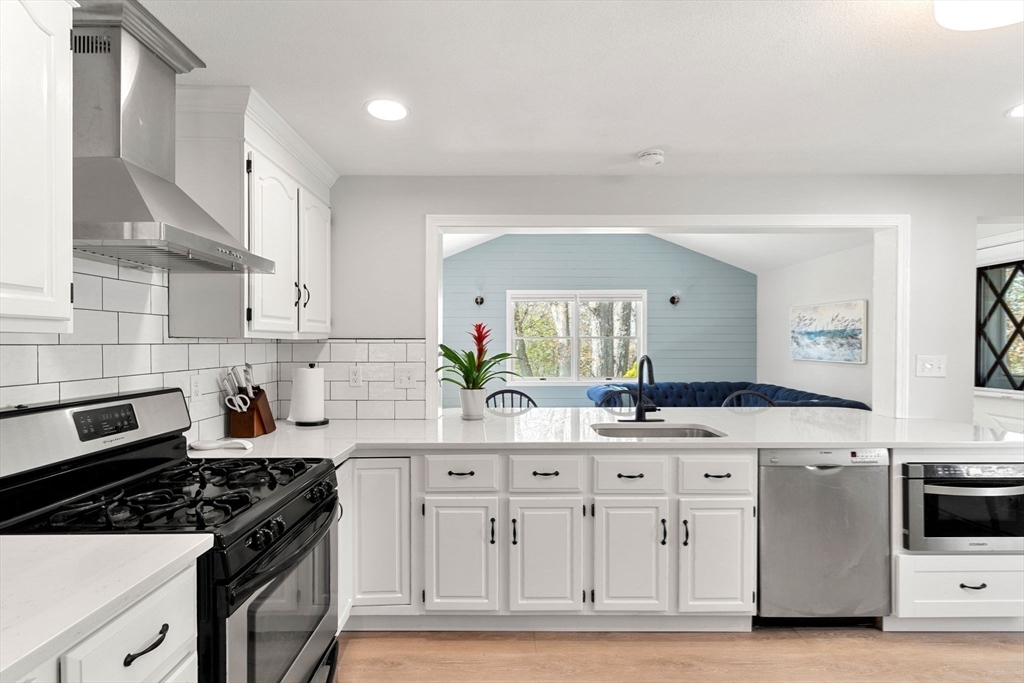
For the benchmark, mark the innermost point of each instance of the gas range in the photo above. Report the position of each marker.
(120, 465)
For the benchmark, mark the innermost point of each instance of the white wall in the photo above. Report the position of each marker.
(379, 241)
(843, 276)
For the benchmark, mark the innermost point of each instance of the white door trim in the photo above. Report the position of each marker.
(891, 295)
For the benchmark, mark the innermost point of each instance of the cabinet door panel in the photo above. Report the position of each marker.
(315, 265)
(35, 167)
(546, 562)
(380, 493)
(275, 235)
(631, 560)
(461, 567)
(716, 566)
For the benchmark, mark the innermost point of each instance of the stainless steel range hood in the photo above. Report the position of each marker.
(126, 205)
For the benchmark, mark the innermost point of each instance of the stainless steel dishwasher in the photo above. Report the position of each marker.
(824, 533)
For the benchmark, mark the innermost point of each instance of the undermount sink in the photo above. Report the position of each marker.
(655, 430)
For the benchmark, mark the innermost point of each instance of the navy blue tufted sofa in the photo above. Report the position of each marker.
(712, 394)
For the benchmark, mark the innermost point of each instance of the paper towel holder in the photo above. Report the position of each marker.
(318, 423)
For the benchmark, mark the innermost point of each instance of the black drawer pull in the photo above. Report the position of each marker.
(974, 588)
(631, 476)
(664, 532)
(308, 296)
(129, 658)
(686, 528)
(492, 530)
(545, 474)
(515, 535)
(727, 475)
(461, 474)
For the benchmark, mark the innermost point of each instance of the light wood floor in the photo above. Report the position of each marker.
(768, 655)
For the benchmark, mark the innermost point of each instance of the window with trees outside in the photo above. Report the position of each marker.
(999, 349)
(576, 336)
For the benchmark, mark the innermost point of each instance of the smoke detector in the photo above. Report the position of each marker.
(651, 157)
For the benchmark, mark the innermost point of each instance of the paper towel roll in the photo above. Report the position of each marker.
(307, 408)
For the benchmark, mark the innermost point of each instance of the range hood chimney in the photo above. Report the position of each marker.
(126, 205)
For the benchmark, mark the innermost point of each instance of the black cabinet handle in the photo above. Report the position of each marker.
(631, 476)
(664, 532)
(298, 295)
(974, 588)
(545, 474)
(308, 296)
(461, 474)
(492, 530)
(686, 528)
(515, 536)
(727, 475)
(129, 658)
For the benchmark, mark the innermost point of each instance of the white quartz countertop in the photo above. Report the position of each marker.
(56, 590)
(570, 428)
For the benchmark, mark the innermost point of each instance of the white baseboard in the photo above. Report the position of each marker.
(953, 624)
(582, 623)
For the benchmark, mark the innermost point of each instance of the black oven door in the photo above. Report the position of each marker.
(964, 515)
(283, 613)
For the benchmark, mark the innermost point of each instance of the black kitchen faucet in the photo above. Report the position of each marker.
(641, 409)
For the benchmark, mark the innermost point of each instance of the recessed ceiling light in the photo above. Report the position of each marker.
(1017, 112)
(389, 110)
(977, 15)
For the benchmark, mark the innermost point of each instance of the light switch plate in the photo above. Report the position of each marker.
(931, 366)
(355, 376)
(404, 379)
(195, 392)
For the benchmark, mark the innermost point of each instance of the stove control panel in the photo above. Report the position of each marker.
(100, 422)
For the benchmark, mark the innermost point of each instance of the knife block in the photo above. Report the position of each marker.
(256, 421)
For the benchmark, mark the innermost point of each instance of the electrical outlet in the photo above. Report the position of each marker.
(931, 366)
(195, 392)
(404, 379)
(355, 376)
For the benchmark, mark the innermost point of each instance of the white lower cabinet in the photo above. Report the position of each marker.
(381, 538)
(960, 585)
(631, 554)
(461, 547)
(186, 672)
(716, 555)
(545, 570)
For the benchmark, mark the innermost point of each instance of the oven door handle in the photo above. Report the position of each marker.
(267, 575)
(989, 492)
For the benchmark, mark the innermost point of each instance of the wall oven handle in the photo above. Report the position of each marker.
(266, 575)
(987, 492)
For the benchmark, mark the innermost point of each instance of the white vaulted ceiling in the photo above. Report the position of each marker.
(538, 88)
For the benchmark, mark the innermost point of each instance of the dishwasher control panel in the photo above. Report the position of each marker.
(813, 457)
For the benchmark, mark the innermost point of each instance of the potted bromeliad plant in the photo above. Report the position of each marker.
(472, 370)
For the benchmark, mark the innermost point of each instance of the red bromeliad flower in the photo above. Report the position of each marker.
(480, 335)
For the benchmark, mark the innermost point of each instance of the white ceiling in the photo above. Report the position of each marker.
(539, 88)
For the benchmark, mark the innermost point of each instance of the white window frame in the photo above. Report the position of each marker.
(574, 295)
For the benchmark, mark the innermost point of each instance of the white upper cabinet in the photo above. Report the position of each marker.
(716, 555)
(545, 571)
(314, 264)
(460, 540)
(274, 219)
(631, 554)
(253, 173)
(35, 166)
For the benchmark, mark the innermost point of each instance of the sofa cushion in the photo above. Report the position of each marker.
(713, 394)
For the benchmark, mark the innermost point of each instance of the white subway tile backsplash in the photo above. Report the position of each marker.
(341, 391)
(416, 352)
(87, 388)
(97, 268)
(28, 395)
(409, 410)
(88, 292)
(18, 365)
(169, 357)
(386, 353)
(203, 356)
(340, 410)
(139, 274)
(337, 371)
(207, 405)
(349, 353)
(136, 328)
(130, 297)
(134, 383)
(125, 359)
(385, 391)
(213, 428)
(158, 300)
(28, 338)
(92, 327)
(65, 363)
(232, 354)
(256, 353)
(311, 353)
(417, 394)
(378, 372)
(179, 380)
(375, 410)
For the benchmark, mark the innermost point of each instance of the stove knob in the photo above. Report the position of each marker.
(260, 540)
(328, 487)
(277, 526)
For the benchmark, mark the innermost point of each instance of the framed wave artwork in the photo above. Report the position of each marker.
(832, 333)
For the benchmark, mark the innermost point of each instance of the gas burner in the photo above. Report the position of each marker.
(198, 513)
(75, 514)
(287, 470)
(239, 473)
(186, 474)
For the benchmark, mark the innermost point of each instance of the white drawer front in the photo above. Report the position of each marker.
(101, 656)
(186, 672)
(545, 473)
(725, 474)
(960, 585)
(462, 472)
(614, 474)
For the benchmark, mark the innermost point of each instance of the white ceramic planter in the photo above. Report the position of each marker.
(472, 403)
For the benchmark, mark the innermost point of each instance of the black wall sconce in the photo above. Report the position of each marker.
(674, 300)
(479, 300)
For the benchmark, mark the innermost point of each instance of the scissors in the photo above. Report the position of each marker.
(236, 400)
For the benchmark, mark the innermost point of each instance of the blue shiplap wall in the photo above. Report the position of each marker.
(710, 335)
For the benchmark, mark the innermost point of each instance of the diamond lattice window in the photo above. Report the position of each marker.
(999, 350)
